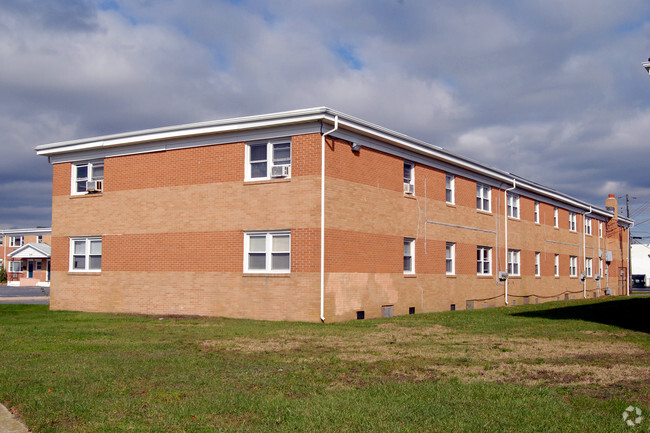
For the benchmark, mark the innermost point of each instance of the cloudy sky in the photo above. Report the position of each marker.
(551, 90)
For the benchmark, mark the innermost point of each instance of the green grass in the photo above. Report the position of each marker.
(507, 369)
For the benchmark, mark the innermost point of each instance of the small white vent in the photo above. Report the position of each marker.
(280, 171)
(94, 185)
(409, 188)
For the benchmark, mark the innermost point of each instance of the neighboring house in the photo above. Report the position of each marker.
(26, 256)
(641, 263)
(244, 218)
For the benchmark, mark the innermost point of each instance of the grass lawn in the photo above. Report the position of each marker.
(563, 366)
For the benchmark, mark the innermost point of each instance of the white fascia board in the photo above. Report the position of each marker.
(182, 131)
(28, 231)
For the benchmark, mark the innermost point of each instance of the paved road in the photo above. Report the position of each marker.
(24, 295)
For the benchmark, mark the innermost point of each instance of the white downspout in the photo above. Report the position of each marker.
(505, 244)
(584, 253)
(322, 218)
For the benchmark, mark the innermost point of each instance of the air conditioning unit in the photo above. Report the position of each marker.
(608, 291)
(582, 277)
(503, 275)
(597, 277)
(409, 188)
(94, 185)
(280, 170)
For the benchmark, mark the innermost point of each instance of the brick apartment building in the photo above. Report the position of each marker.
(26, 256)
(235, 218)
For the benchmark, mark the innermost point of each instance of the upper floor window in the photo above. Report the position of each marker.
(588, 225)
(267, 252)
(572, 221)
(86, 254)
(537, 212)
(39, 239)
(409, 181)
(409, 253)
(555, 217)
(513, 205)
(484, 260)
(600, 229)
(513, 262)
(449, 188)
(87, 177)
(268, 160)
(483, 197)
(16, 241)
(450, 253)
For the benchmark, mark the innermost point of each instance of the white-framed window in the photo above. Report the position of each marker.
(484, 260)
(1, 239)
(513, 205)
(600, 229)
(538, 264)
(268, 160)
(483, 197)
(16, 241)
(557, 265)
(39, 239)
(450, 258)
(267, 252)
(409, 256)
(537, 212)
(573, 266)
(409, 178)
(589, 267)
(38, 265)
(86, 254)
(572, 221)
(87, 177)
(513, 262)
(450, 180)
(588, 226)
(600, 267)
(15, 266)
(556, 220)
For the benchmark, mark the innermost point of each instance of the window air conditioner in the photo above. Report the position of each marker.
(280, 171)
(93, 185)
(582, 277)
(503, 275)
(409, 188)
(597, 277)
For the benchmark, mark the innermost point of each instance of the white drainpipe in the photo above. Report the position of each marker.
(322, 219)
(505, 217)
(584, 253)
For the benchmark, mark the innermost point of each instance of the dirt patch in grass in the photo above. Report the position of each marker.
(438, 351)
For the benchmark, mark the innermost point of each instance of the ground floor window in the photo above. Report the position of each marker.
(573, 266)
(15, 266)
(409, 247)
(513, 262)
(267, 252)
(484, 261)
(451, 256)
(86, 254)
(588, 267)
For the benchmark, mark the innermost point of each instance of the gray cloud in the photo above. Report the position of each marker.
(550, 90)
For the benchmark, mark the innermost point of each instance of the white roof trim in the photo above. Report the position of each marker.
(32, 251)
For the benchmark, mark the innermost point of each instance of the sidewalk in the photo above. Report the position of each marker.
(9, 424)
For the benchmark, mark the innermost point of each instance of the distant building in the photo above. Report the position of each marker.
(26, 256)
(244, 218)
(641, 262)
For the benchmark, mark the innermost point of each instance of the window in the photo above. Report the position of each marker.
(1, 239)
(557, 265)
(600, 229)
(268, 160)
(537, 212)
(450, 253)
(16, 241)
(85, 172)
(600, 267)
(15, 266)
(39, 265)
(483, 197)
(449, 188)
(267, 252)
(573, 266)
(513, 262)
(572, 221)
(587, 226)
(513, 205)
(588, 267)
(39, 239)
(484, 261)
(86, 254)
(409, 182)
(409, 265)
(538, 261)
